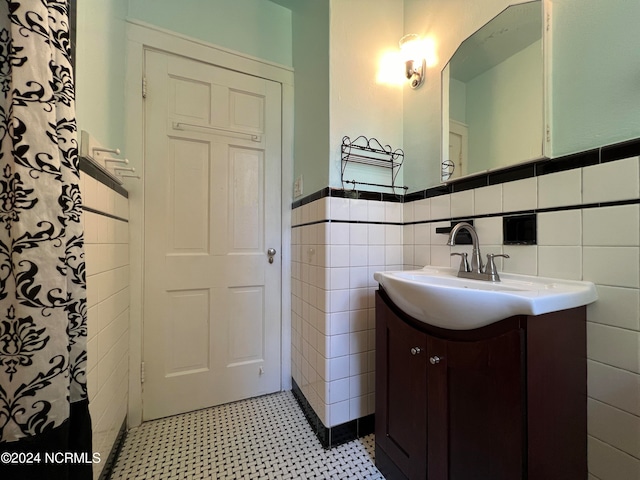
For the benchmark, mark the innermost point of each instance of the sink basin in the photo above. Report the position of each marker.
(436, 296)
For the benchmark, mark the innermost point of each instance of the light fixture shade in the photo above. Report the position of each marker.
(415, 63)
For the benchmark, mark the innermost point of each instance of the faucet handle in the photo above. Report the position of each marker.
(464, 263)
(491, 269)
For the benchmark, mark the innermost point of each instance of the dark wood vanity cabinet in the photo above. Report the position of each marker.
(503, 402)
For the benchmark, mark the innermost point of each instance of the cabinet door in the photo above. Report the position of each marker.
(400, 394)
(475, 409)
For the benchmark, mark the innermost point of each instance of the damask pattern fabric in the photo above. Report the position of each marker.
(42, 272)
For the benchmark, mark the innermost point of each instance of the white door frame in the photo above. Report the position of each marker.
(141, 36)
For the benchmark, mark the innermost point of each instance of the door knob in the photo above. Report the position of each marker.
(415, 350)
(435, 360)
(271, 252)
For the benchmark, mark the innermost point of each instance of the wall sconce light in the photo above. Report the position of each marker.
(414, 61)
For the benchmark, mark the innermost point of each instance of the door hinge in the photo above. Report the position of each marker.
(548, 134)
(144, 87)
(142, 372)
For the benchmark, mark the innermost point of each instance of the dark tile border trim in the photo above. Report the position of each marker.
(604, 154)
(340, 193)
(587, 158)
(585, 206)
(620, 151)
(365, 222)
(331, 437)
(90, 169)
(104, 214)
(311, 223)
(115, 452)
(325, 192)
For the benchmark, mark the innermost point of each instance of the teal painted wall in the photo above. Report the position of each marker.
(336, 55)
(100, 69)
(310, 25)
(594, 89)
(596, 73)
(255, 27)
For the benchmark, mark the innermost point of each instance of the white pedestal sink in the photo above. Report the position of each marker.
(435, 295)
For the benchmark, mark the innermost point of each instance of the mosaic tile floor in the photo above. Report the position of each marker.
(260, 438)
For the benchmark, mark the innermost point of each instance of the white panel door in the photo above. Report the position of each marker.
(212, 320)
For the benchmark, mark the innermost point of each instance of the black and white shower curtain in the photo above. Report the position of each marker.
(45, 430)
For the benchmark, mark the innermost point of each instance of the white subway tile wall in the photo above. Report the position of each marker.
(462, 203)
(488, 199)
(332, 305)
(107, 270)
(560, 189)
(520, 195)
(608, 182)
(599, 244)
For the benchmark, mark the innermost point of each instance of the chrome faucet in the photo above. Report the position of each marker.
(477, 269)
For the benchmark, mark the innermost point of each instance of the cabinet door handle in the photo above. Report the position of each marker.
(435, 360)
(415, 350)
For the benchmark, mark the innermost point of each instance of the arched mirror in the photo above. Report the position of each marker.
(493, 95)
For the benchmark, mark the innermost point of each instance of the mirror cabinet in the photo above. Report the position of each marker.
(494, 95)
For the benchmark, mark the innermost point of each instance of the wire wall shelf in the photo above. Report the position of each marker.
(369, 151)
